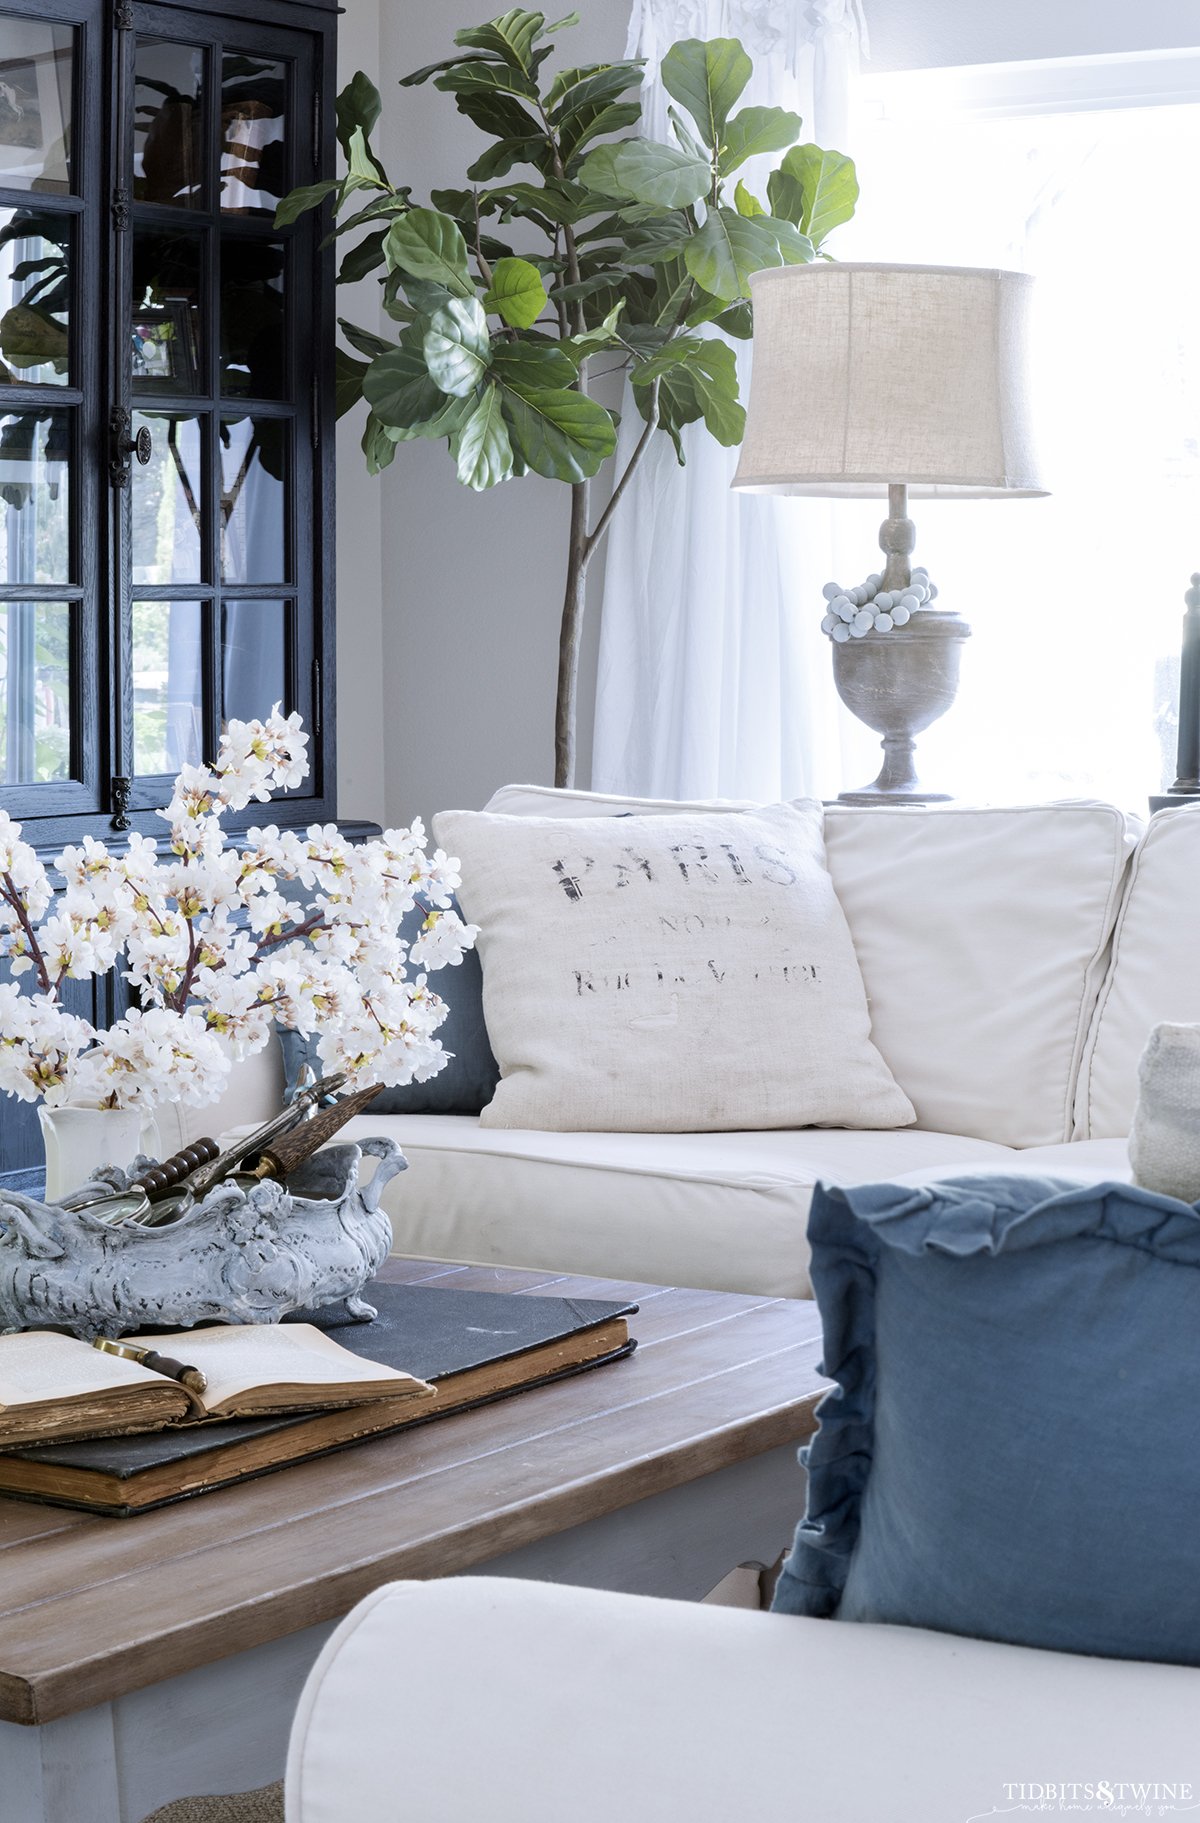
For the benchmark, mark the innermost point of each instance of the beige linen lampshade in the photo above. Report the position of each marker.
(866, 375)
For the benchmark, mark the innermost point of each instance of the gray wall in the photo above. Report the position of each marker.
(448, 602)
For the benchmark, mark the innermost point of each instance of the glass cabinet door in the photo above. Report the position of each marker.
(216, 537)
(51, 604)
(165, 566)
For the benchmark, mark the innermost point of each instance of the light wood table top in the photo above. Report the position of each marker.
(92, 1607)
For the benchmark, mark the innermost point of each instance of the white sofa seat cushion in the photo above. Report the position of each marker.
(1155, 972)
(983, 937)
(588, 1705)
(726, 1211)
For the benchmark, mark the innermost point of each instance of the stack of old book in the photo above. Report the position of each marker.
(79, 1427)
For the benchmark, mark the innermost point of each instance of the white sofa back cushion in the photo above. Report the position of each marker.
(1155, 973)
(982, 935)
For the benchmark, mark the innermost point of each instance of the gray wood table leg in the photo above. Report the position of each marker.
(62, 1772)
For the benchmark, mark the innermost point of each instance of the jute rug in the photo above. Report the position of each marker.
(262, 1806)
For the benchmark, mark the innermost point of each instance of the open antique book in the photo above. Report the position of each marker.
(472, 1346)
(53, 1387)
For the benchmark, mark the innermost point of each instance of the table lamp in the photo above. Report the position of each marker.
(893, 380)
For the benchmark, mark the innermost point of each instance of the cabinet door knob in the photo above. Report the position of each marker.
(122, 446)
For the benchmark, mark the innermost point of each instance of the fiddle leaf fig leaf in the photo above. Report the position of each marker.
(737, 321)
(378, 447)
(796, 248)
(660, 175)
(443, 424)
(348, 381)
(457, 346)
(598, 172)
(707, 309)
(754, 131)
(499, 159)
(430, 246)
(395, 202)
(594, 123)
(361, 164)
(486, 78)
(480, 446)
(706, 79)
(604, 335)
(532, 366)
(815, 189)
(363, 259)
(358, 105)
(647, 172)
(308, 196)
(398, 386)
(555, 431)
(432, 69)
(713, 376)
(671, 354)
(363, 339)
(499, 114)
(511, 38)
(727, 250)
(516, 293)
(685, 136)
(595, 84)
(588, 287)
(746, 203)
(701, 385)
(560, 434)
(659, 240)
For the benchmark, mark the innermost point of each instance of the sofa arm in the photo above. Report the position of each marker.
(478, 1698)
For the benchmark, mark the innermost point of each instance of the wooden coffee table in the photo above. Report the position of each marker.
(162, 1656)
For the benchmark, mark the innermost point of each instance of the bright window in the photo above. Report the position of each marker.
(1088, 175)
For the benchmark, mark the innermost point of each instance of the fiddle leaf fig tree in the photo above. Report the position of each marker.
(573, 241)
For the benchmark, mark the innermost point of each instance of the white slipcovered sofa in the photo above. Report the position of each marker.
(1014, 960)
(584, 1705)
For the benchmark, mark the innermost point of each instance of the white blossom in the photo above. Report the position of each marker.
(217, 950)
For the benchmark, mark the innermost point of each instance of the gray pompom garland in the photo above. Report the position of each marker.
(869, 607)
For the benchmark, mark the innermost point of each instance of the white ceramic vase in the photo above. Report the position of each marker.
(79, 1140)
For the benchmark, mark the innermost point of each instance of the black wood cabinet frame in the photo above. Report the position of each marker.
(287, 428)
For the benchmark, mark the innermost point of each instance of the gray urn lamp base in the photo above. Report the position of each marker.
(898, 683)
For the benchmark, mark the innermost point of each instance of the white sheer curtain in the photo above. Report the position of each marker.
(714, 678)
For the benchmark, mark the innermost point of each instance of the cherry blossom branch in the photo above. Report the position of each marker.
(189, 972)
(315, 923)
(35, 949)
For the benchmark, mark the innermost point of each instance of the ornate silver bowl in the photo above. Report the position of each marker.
(240, 1256)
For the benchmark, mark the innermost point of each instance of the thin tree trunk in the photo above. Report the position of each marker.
(579, 554)
(569, 638)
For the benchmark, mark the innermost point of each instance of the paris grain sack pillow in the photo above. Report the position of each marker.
(651, 974)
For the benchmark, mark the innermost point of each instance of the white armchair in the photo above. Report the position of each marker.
(476, 1698)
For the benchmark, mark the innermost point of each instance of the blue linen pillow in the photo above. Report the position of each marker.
(465, 1084)
(1012, 1446)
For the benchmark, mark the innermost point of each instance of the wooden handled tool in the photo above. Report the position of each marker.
(207, 1176)
(161, 1178)
(282, 1155)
